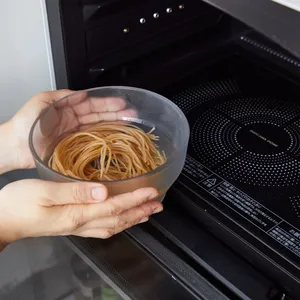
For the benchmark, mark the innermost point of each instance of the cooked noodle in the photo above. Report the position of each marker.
(109, 151)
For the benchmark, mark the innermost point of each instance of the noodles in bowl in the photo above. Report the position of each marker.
(108, 152)
(122, 151)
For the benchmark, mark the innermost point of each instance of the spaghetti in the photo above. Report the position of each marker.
(109, 151)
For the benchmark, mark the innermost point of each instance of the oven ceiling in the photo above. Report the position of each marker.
(277, 22)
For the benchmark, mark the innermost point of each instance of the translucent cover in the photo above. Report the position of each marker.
(141, 107)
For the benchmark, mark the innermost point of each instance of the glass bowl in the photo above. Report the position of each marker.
(142, 108)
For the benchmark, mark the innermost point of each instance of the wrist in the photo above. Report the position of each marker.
(7, 233)
(8, 149)
(2, 245)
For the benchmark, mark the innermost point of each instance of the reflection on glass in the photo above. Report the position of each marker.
(89, 283)
(50, 271)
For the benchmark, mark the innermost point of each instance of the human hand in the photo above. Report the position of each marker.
(33, 208)
(78, 110)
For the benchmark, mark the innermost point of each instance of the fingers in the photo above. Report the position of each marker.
(116, 205)
(100, 233)
(99, 105)
(60, 94)
(107, 227)
(71, 208)
(128, 218)
(114, 215)
(81, 104)
(72, 193)
(106, 116)
(80, 109)
(78, 197)
(76, 216)
(72, 99)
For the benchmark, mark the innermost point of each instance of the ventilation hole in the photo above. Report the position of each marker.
(276, 170)
(195, 96)
(260, 110)
(295, 201)
(214, 141)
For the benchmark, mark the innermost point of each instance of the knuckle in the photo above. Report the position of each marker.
(137, 198)
(120, 222)
(141, 196)
(131, 224)
(78, 193)
(106, 234)
(76, 219)
(145, 210)
(114, 210)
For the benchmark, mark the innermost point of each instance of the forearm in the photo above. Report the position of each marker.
(8, 149)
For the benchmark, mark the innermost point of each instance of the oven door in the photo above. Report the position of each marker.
(159, 260)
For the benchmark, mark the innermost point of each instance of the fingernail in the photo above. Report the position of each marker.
(99, 193)
(144, 220)
(158, 210)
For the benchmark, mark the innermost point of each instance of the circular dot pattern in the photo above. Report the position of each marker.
(192, 97)
(214, 134)
(261, 119)
(276, 170)
(266, 110)
(214, 141)
(294, 132)
(295, 200)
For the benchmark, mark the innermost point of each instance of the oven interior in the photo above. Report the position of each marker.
(240, 93)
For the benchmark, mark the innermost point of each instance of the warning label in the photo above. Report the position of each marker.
(245, 206)
(287, 236)
(211, 182)
(194, 170)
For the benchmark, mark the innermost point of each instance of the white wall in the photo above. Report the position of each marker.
(25, 59)
(25, 69)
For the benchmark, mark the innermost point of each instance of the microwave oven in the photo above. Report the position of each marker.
(231, 225)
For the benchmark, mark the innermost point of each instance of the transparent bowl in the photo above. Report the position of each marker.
(141, 107)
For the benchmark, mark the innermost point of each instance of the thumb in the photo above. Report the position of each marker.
(73, 193)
